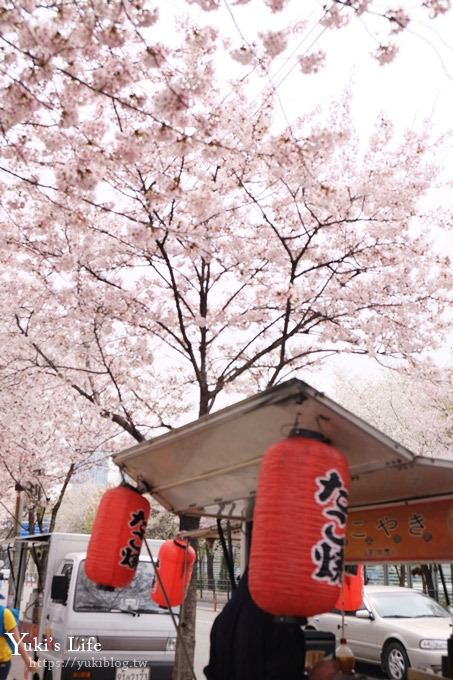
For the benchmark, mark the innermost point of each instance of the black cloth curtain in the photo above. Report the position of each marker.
(248, 644)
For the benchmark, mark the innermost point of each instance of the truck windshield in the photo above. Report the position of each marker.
(135, 599)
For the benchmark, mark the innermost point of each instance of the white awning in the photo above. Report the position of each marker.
(210, 466)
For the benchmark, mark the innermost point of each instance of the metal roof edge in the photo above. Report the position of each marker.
(410, 500)
(276, 394)
(360, 424)
(436, 462)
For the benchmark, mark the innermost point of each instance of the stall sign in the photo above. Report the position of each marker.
(412, 532)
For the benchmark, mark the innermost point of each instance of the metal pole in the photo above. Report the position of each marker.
(409, 575)
(434, 569)
(444, 585)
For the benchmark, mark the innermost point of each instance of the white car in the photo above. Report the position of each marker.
(395, 627)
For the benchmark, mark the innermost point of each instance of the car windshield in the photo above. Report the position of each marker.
(135, 599)
(408, 605)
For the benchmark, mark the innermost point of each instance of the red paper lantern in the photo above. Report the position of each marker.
(117, 537)
(299, 522)
(175, 563)
(351, 594)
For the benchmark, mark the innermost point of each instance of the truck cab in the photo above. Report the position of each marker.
(78, 631)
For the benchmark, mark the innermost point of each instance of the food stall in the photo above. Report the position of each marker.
(400, 504)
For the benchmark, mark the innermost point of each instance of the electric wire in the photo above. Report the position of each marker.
(266, 70)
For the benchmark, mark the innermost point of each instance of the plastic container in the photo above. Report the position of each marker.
(345, 657)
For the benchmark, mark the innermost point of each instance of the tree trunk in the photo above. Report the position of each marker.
(427, 576)
(185, 645)
(401, 573)
(31, 520)
(56, 507)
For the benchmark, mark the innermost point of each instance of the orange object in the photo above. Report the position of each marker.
(117, 537)
(175, 563)
(409, 531)
(296, 556)
(351, 593)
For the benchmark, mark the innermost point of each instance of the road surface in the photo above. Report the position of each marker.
(205, 617)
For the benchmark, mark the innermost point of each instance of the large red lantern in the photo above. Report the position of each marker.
(175, 563)
(299, 522)
(117, 537)
(351, 594)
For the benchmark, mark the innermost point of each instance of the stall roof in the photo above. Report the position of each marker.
(210, 466)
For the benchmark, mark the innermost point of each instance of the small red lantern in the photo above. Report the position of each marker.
(175, 563)
(299, 522)
(117, 537)
(351, 593)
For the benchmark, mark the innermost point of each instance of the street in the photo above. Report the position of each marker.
(205, 617)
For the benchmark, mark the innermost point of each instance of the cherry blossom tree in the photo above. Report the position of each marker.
(162, 523)
(193, 272)
(80, 503)
(166, 244)
(78, 508)
(413, 410)
(53, 47)
(43, 446)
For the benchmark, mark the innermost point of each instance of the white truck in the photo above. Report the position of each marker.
(77, 631)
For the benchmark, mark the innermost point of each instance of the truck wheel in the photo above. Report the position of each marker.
(395, 661)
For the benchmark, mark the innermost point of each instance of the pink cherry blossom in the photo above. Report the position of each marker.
(437, 6)
(312, 63)
(276, 5)
(385, 54)
(274, 42)
(334, 17)
(400, 19)
(243, 55)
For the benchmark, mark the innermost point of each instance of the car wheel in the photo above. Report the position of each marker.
(395, 661)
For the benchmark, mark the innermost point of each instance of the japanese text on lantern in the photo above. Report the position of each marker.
(327, 553)
(130, 553)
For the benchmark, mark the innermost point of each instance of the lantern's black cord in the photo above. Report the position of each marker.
(227, 555)
(230, 550)
(170, 611)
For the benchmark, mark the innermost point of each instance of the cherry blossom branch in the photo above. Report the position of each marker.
(104, 412)
(56, 507)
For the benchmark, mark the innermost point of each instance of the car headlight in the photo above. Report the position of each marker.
(171, 645)
(81, 643)
(433, 644)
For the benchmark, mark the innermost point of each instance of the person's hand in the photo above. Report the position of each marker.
(324, 670)
(33, 665)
